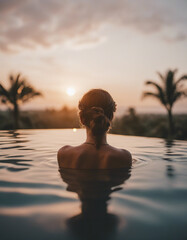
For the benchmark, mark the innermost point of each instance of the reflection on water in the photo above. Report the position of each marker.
(168, 146)
(94, 188)
(11, 140)
(34, 202)
(170, 170)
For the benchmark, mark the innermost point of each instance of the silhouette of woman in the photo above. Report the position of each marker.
(96, 113)
(93, 188)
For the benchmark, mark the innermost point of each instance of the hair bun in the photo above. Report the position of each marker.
(99, 122)
(98, 110)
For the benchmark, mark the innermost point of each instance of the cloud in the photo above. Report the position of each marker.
(85, 42)
(33, 23)
(178, 37)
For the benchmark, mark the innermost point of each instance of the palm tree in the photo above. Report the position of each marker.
(20, 91)
(168, 92)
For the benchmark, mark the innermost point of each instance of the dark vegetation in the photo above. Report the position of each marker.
(149, 125)
(131, 123)
(49, 118)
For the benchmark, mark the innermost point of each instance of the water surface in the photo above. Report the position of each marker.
(39, 202)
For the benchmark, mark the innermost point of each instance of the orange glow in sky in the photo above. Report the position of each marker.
(114, 45)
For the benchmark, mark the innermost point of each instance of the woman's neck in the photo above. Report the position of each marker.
(91, 139)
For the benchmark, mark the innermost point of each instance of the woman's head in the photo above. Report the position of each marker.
(96, 111)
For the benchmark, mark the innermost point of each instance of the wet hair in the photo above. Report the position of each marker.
(96, 112)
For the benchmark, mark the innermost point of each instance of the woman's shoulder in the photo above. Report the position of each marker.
(120, 151)
(63, 150)
(122, 156)
(126, 154)
(68, 151)
(64, 155)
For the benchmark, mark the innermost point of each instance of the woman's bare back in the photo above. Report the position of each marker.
(87, 156)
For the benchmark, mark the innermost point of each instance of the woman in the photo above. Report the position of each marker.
(96, 113)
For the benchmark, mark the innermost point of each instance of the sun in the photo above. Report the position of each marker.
(70, 91)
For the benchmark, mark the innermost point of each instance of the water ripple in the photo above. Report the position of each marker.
(153, 197)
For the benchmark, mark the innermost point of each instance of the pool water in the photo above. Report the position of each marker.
(37, 201)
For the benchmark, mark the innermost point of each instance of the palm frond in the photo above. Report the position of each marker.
(154, 84)
(3, 91)
(184, 77)
(4, 94)
(11, 79)
(161, 76)
(179, 95)
(149, 94)
(27, 93)
(170, 78)
(16, 86)
(170, 86)
(160, 91)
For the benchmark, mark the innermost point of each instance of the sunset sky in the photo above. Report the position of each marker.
(111, 44)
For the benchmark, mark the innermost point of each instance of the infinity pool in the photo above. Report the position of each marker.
(38, 202)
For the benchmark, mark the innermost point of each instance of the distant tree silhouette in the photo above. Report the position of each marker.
(130, 123)
(168, 92)
(20, 91)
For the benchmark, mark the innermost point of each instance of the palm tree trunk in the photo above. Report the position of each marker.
(16, 116)
(171, 124)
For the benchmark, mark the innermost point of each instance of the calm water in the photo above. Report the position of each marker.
(38, 202)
